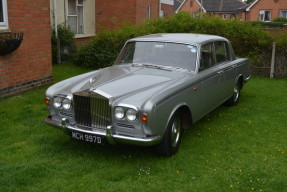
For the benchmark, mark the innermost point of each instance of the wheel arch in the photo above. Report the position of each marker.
(240, 80)
(185, 114)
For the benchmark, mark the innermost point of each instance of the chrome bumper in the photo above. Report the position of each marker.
(247, 78)
(108, 135)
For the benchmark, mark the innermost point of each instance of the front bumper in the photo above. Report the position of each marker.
(108, 135)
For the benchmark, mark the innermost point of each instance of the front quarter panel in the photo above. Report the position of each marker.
(166, 103)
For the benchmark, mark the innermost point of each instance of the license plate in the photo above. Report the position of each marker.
(86, 137)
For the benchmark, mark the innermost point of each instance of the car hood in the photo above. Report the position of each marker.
(131, 81)
(121, 81)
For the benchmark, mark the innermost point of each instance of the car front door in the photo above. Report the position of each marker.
(210, 77)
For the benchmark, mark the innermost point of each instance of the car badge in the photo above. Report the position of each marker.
(92, 80)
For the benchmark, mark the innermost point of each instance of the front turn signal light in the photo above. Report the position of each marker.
(144, 118)
(47, 101)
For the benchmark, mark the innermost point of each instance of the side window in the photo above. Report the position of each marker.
(221, 52)
(206, 57)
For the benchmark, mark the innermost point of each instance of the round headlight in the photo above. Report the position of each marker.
(67, 104)
(131, 114)
(57, 102)
(119, 113)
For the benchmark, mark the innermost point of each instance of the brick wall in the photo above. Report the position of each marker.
(113, 14)
(275, 6)
(80, 42)
(30, 65)
(167, 10)
(190, 6)
(142, 9)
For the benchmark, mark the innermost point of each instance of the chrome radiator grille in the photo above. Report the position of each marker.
(92, 111)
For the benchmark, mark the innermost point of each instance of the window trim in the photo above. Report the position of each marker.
(149, 12)
(77, 15)
(4, 24)
(280, 15)
(260, 13)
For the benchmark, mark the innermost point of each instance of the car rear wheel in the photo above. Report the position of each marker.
(233, 100)
(172, 137)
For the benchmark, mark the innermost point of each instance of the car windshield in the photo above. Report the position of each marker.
(159, 54)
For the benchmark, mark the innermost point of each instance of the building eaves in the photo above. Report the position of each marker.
(251, 5)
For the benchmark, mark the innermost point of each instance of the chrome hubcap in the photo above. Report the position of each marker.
(175, 132)
(236, 93)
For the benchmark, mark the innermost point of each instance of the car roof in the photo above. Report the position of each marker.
(186, 38)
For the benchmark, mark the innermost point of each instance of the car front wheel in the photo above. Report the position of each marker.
(172, 137)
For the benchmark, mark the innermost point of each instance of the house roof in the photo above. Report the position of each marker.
(220, 6)
(176, 5)
(223, 6)
(251, 5)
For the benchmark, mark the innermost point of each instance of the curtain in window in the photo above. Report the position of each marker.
(75, 16)
(265, 15)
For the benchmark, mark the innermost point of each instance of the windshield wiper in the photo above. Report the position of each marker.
(169, 68)
(150, 65)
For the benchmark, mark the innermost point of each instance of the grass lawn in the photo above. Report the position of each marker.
(242, 148)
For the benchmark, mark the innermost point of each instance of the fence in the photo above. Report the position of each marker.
(262, 67)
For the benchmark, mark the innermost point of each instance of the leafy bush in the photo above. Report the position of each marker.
(105, 47)
(270, 25)
(247, 40)
(280, 19)
(67, 43)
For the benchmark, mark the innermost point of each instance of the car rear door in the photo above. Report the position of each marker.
(226, 68)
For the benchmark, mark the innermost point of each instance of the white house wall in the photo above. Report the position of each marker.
(89, 16)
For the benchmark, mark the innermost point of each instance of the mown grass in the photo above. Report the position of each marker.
(242, 148)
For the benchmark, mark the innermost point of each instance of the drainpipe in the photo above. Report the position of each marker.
(56, 31)
(159, 8)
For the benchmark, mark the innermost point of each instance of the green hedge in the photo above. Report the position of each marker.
(270, 25)
(280, 19)
(247, 40)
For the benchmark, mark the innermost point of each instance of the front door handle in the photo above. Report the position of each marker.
(219, 72)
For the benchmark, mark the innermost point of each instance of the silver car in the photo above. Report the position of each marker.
(158, 85)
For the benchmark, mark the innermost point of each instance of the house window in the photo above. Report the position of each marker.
(283, 13)
(149, 12)
(3, 14)
(76, 16)
(161, 13)
(265, 15)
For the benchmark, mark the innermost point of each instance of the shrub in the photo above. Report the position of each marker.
(271, 25)
(67, 43)
(280, 19)
(247, 40)
(105, 47)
